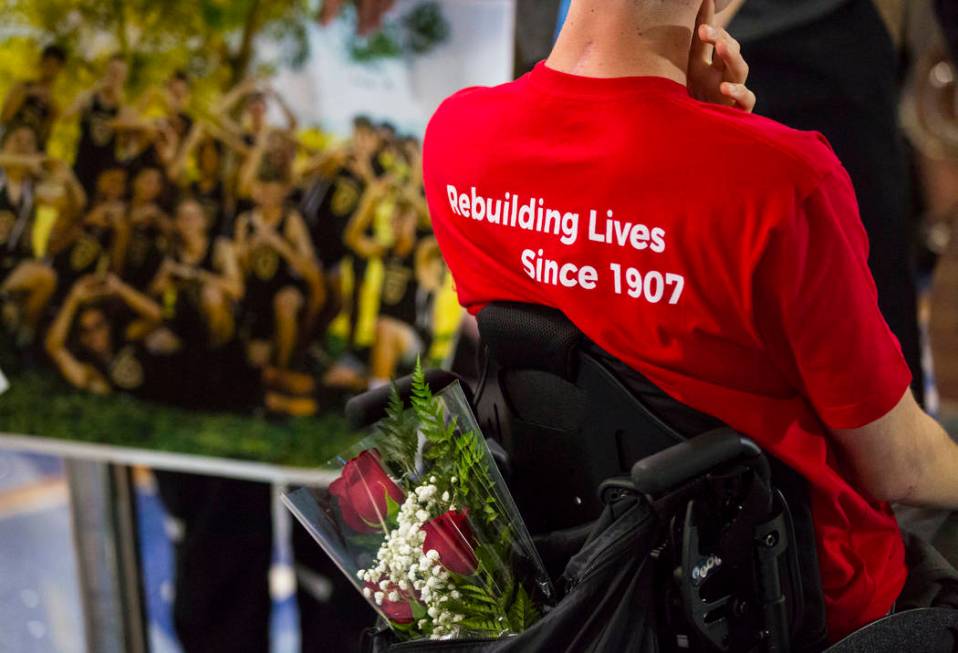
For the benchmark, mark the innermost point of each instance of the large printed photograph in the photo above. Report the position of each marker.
(212, 222)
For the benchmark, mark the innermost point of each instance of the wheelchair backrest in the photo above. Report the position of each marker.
(570, 416)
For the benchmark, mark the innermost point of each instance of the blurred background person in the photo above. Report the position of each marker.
(31, 102)
(97, 109)
(833, 66)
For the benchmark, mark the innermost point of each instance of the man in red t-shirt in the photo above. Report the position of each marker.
(719, 254)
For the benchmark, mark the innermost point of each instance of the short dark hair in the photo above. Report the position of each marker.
(388, 127)
(362, 122)
(180, 75)
(54, 51)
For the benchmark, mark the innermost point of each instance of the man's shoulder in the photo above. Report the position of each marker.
(468, 101)
(772, 148)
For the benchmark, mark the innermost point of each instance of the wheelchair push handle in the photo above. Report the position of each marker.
(661, 472)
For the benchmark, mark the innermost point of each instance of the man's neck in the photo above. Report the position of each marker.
(612, 38)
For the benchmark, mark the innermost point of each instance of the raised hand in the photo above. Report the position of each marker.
(717, 71)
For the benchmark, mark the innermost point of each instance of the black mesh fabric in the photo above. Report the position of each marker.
(530, 338)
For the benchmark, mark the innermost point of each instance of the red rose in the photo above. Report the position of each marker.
(399, 612)
(362, 490)
(452, 538)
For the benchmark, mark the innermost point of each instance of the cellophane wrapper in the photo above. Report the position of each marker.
(423, 524)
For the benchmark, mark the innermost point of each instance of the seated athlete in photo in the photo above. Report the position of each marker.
(719, 254)
(91, 244)
(101, 339)
(199, 281)
(412, 275)
(146, 232)
(282, 275)
(30, 181)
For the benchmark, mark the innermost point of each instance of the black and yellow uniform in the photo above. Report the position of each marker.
(96, 150)
(36, 112)
(215, 202)
(131, 368)
(402, 298)
(16, 226)
(184, 302)
(145, 251)
(267, 272)
(327, 208)
(88, 252)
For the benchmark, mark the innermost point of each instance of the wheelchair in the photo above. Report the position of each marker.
(663, 529)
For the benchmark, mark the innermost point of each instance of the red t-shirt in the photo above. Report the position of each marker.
(718, 253)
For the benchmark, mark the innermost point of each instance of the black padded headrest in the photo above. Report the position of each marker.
(530, 337)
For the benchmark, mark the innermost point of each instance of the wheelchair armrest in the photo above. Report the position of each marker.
(370, 407)
(661, 472)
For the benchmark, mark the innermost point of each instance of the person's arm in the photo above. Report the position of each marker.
(143, 306)
(163, 279)
(229, 101)
(121, 236)
(228, 138)
(241, 240)
(296, 247)
(291, 122)
(816, 312)
(904, 457)
(79, 375)
(167, 144)
(176, 167)
(80, 102)
(13, 102)
(356, 235)
(229, 278)
(247, 173)
(76, 196)
(326, 162)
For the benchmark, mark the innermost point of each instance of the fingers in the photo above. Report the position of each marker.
(727, 56)
(740, 94)
(701, 48)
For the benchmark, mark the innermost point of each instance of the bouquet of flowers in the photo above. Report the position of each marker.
(421, 521)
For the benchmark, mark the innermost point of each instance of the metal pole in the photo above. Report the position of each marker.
(105, 538)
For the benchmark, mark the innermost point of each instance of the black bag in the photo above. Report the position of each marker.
(609, 604)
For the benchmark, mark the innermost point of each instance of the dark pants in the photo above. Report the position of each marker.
(222, 567)
(222, 562)
(838, 75)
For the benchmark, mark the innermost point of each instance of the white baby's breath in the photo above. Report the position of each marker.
(404, 572)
